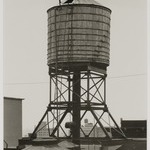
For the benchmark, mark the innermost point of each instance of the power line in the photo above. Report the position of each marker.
(125, 76)
(26, 83)
(115, 77)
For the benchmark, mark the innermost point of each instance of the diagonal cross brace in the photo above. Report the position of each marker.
(60, 121)
(100, 124)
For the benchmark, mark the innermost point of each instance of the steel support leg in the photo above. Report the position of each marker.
(60, 121)
(76, 106)
(33, 134)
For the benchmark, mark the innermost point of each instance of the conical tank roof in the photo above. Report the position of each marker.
(82, 2)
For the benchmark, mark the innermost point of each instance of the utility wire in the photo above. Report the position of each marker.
(26, 83)
(115, 77)
(132, 75)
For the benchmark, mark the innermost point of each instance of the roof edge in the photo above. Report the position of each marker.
(13, 98)
(88, 5)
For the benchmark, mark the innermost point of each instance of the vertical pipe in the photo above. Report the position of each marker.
(88, 86)
(57, 104)
(69, 96)
(76, 107)
(50, 90)
(56, 72)
(104, 89)
(69, 89)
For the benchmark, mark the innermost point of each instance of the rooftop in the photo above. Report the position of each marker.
(13, 98)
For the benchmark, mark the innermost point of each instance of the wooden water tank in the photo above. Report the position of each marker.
(78, 34)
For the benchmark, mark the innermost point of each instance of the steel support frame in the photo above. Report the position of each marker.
(93, 80)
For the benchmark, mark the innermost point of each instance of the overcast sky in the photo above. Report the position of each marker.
(25, 58)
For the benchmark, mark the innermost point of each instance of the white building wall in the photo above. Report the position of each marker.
(12, 120)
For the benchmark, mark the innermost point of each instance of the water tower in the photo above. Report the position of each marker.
(78, 57)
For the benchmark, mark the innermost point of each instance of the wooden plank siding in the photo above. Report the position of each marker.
(78, 33)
